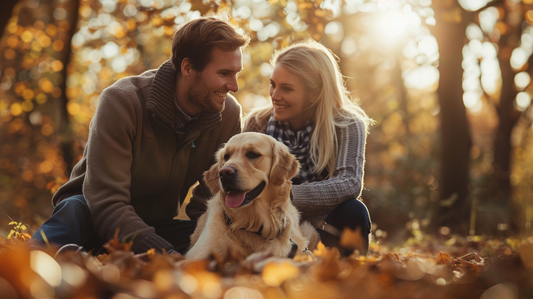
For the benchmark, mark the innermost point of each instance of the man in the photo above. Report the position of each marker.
(151, 138)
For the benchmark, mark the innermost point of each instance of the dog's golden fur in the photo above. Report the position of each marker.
(267, 223)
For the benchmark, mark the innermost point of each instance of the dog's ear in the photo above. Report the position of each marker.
(284, 164)
(211, 176)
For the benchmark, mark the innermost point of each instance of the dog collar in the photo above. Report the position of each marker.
(260, 231)
(253, 194)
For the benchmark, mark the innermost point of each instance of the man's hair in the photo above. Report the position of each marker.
(196, 39)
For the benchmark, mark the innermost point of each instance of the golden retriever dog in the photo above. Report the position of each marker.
(251, 210)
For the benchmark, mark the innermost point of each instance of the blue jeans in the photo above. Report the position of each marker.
(351, 213)
(71, 223)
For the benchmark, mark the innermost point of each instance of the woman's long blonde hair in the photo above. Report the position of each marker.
(317, 66)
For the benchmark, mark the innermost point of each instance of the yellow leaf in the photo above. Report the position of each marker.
(320, 249)
(303, 258)
(150, 252)
(45, 238)
(12, 223)
(448, 202)
(274, 274)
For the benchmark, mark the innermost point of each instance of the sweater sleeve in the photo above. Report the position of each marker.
(108, 176)
(321, 197)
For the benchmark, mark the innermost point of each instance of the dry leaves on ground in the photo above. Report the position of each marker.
(487, 269)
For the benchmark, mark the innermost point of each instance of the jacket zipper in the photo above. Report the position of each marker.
(193, 149)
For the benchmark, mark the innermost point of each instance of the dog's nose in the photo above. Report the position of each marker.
(226, 172)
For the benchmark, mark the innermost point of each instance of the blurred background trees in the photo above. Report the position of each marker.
(447, 82)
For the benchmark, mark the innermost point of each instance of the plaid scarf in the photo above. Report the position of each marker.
(299, 144)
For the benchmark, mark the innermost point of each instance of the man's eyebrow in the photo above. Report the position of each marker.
(230, 71)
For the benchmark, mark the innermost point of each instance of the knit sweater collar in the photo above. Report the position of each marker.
(162, 104)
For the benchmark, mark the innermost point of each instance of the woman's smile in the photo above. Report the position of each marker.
(280, 106)
(290, 97)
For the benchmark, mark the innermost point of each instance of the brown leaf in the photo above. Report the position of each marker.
(472, 256)
(329, 268)
(444, 259)
(114, 244)
(468, 265)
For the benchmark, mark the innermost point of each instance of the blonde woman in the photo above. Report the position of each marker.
(312, 113)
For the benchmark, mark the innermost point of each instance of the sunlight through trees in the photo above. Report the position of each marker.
(447, 82)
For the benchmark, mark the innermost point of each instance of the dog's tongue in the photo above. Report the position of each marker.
(234, 199)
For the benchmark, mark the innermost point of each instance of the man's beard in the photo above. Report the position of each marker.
(201, 98)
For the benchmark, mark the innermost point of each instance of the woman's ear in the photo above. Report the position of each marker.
(314, 95)
(211, 176)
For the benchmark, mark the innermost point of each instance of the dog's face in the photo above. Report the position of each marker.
(248, 163)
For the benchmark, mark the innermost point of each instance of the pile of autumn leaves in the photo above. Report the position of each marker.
(465, 268)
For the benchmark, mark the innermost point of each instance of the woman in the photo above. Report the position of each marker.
(311, 112)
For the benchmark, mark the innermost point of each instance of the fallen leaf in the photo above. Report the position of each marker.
(444, 259)
(275, 273)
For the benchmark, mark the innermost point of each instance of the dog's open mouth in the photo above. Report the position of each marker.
(237, 198)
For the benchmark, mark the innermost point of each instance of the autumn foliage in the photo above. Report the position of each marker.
(461, 268)
(447, 82)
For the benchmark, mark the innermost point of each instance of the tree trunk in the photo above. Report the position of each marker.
(6, 13)
(500, 190)
(64, 129)
(500, 193)
(453, 209)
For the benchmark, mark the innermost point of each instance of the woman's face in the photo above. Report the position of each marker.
(290, 97)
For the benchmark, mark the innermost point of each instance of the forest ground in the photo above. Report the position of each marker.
(427, 267)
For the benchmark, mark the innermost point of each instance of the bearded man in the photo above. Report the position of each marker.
(152, 137)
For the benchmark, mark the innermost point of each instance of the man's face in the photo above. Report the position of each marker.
(209, 87)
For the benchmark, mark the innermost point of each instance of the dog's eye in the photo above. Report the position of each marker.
(252, 155)
(226, 157)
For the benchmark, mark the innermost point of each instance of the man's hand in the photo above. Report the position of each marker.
(174, 252)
